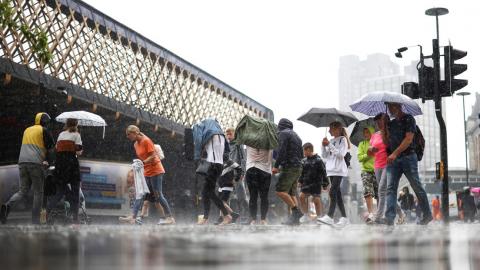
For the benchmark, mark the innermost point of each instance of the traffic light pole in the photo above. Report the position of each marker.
(443, 128)
(438, 112)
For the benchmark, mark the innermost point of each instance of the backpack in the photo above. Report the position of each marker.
(348, 156)
(419, 143)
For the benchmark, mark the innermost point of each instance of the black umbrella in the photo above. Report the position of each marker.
(357, 132)
(322, 117)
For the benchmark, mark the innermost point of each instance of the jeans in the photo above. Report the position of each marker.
(407, 165)
(31, 176)
(258, 183)
(336, 196)
(381, 175)
(156, 182)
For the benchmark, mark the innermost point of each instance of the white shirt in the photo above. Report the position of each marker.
(259, 158)
(333, 155)
(215, 148)
(70, 136)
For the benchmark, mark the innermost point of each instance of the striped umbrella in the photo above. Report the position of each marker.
(373, 103)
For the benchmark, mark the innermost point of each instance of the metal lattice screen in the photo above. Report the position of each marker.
(89, 51)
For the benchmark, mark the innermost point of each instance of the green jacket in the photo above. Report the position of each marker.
(365, 160)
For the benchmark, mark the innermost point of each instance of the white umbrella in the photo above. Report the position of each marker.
(373, 103)
(84, 119)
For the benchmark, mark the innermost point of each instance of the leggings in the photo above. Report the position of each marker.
(208, 192)
(258, 183)
(336, 196)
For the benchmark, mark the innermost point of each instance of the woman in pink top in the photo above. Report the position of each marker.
(378, 149)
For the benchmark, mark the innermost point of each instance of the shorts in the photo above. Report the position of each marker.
(287, 181)
(369, 182)
(224, 195)
(314, 191)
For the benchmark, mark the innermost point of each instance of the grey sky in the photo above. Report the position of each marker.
(285, 54)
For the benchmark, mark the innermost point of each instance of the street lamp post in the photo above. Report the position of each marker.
(463, 94)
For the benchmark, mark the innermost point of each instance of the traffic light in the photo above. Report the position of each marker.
(425, 83)
(410, 89)
(451, 70)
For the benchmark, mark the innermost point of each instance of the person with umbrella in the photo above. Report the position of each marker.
(378, 150)
(402, 159)
(67, 169)
(368, 175)
(34, 156)
(333, 152)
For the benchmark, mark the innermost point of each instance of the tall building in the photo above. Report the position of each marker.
(473, 136)
(378, 73)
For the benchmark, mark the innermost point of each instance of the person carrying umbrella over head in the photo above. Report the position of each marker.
(34, 156)
(402, 159)
(368, 175)
(333, 152)
(378, 150)
(153, 169)
(67, 169)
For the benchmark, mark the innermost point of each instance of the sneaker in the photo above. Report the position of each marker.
(425, 220)
(370, 219)
(389, 223)
(304, 219)
(4, 210)
(127, 220)
(235, 217)
(294, 218)
(342, 222)
(263, 222)
(166, 221)
(226, 220)
(326, 219)
(139, 221)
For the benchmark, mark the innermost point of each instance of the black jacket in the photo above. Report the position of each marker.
(407, 201)
(290, 151)
(313, 173)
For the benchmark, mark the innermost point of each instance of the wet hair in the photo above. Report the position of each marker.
(133, 129)
(343, 131)
(230, 129)
(71, 125)
(308, 146)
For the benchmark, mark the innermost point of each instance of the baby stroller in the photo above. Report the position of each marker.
(60, 212)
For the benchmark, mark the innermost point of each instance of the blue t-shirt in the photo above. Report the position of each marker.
(397, 129)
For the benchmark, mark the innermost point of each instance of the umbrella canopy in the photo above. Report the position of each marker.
(257, 133)
(322, 117)
(357, 132)
(373, 103)
(84, 118)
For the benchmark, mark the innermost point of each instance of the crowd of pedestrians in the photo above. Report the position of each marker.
(227, 168)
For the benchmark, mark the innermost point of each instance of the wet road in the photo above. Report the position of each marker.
(240, 247)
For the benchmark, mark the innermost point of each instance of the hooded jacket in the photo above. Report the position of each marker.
(290, 151)
(365, 160)
(313, 173)
(36, 141)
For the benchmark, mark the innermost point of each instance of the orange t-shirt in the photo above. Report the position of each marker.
(144, 149)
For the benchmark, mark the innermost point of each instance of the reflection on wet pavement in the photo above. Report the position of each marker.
(240, 247)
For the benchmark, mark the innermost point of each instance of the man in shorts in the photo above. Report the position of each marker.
(289, 164)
